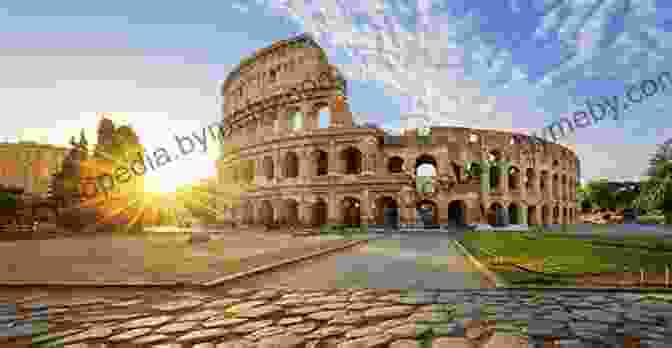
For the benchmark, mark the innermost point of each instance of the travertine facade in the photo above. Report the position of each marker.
(29, 165)
(302, 173)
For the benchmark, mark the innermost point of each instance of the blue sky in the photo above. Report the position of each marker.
(510, 65)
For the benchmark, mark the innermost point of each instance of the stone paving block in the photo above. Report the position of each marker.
(450, 342)
(281, 341)
(144, 322)
(202, 335)
(221, 322)
(252, 326)
(176, 327)
(129, 335)
(499, 340)
(177, 305)
(259, 311)
(151, 339)
(204, 345)
(236, 344)
(366, 342)
(387, 312)
(405, 344)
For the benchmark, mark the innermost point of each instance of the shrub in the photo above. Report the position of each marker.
(651, 220)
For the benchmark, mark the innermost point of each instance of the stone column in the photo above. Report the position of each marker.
(259, 178)
(277, 167)
(277, 123)
(365, 209)
(407, 215)
(333, 213)
(485, 177)
(504, 177)
(442, 210)
(304, 166)
(304, 212)
(279, 210)
(467, 213)
(333, 159)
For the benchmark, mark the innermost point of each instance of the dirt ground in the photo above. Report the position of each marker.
(169, 257)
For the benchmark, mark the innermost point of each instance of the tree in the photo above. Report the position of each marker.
(9, 204)
(601, 194)
(656, 191)
(663, 154)
(584, 197)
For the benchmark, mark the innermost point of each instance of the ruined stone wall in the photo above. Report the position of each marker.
(304, 174)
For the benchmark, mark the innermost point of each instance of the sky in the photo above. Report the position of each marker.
(516, 65)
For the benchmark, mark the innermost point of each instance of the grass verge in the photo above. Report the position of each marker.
(556, 259)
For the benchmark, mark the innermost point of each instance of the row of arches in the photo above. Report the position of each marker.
(561, 185)
(294, 118)
(387, 212)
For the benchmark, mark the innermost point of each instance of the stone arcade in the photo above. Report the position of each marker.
(276, 107)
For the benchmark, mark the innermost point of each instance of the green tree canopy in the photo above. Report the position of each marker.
(8, 202)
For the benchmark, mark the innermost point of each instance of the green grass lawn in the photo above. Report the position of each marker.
(560, 255)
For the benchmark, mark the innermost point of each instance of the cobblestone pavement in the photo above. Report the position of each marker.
(350, 318)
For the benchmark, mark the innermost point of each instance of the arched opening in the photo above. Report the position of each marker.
(546, 215)
(427, 214)
(474, 172)
(513, 214)
(456, 211)
(564, 215)
(319, 210)
(514, 178)
(530, 177)
(235, 172)
(351, 211)
(457, 171)
(247, 171)
(425, 170)
(248, 217)
(563, 190)
(571, 215)
(266, 213)
(324, 117)
(291, 165)
(291, 212)
(497, 215)
(542, 181)
(556, 215)
(395, 164)
(387, 212)
(353, 160)
(268, 167)
(295, 120)
(322, 163)
(556, 186)
(532, 215)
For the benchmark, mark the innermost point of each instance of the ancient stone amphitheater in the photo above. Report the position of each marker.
(307, 163)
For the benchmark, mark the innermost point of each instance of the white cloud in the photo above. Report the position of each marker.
(457, 76)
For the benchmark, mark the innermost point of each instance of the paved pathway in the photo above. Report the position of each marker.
(422, 260)
(347, 318)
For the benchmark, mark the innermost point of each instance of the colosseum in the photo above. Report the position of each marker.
(307, 163)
